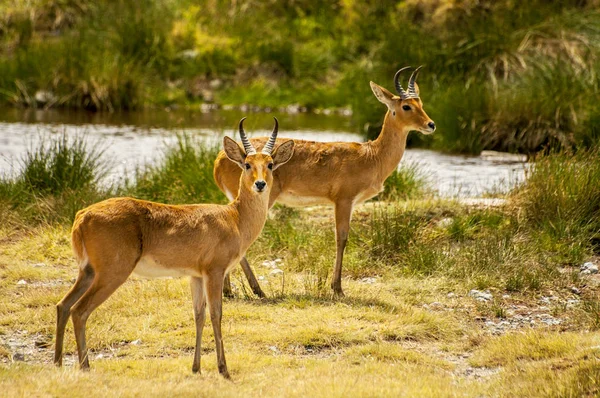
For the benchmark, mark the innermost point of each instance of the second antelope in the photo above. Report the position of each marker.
(340, 173)
(119, 236)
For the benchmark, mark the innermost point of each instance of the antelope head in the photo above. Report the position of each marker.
(257, 175)
(405, 109)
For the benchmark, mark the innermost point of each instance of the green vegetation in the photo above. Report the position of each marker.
(516, 76)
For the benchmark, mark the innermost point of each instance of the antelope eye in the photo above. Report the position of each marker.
(270, 166)
(247, 166)
(406, 107)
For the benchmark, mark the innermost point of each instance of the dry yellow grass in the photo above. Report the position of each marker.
(396, 335)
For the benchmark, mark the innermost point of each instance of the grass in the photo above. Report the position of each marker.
(408, 325)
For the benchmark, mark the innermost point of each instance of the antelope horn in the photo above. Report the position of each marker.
(411, 83)
(268, 148)
(399, 88)
(247, 145)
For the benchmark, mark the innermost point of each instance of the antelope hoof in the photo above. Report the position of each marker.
(196, 369)
(338, 292)
(225, 373)
(258, 291)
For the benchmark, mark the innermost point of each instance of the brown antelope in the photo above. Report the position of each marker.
(340, 173)
(118, 236)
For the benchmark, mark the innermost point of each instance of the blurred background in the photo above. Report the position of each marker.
(503, 75)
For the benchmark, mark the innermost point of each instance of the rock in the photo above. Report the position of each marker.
(18, 357)
(276, 271)
(589, 268)
(261, 278)
(445, 222)
(481, 296)
(136, 342)
(43, 342)
(274, 349)
(215, 84)
(43, 97)
(450, 295)
(574, 290)
(505, 296)
(22, 282)
(368, 280)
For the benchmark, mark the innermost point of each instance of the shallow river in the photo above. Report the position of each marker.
(137, 138)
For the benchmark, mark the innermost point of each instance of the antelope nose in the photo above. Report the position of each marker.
(260, 185)
(431, 125)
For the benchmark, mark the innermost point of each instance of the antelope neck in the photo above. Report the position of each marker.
(389, 146)
(252, 211)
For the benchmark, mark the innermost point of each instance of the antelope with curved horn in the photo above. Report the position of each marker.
(120, 236)
(340, 173)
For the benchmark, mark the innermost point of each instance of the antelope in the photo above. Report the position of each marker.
(117, 237)
(340, 173)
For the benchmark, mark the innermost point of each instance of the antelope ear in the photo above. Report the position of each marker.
(233, 151)
(383, 95)
(283, 154)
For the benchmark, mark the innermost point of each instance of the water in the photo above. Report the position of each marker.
(136, 138)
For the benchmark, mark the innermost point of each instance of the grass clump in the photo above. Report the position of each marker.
(58, 177)
(561, 198)
(184, 175)
(407, 182)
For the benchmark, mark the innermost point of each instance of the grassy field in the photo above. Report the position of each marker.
(409, 326)
(443, 298)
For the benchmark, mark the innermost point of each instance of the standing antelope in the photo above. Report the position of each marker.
(340, 173)
(116, 237)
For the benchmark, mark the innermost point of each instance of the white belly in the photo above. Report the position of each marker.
(147, 267)
(293, 200)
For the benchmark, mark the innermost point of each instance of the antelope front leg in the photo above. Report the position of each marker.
(199, 300)
(214, 288)
(343, 212)
(254, 285)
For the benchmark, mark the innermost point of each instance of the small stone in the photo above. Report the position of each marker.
(368, 280)
(261, 278)
(589, 268)
(43, 97)
(99, 356)
(274, 349)
(22, 282)
(276, 271)
(450, 295)
(18, 357)
(42, 342)
(505, 296)
(136, 342)
(481, 296)
(445, 222)
(575, 290)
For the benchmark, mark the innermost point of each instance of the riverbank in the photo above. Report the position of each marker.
(515, 77)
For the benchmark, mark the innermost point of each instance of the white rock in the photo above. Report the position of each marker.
(445, 222)
(136, 342)
(369, 280)
(22, 282)
(276, 271)
(481, 296)
(589, 268)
